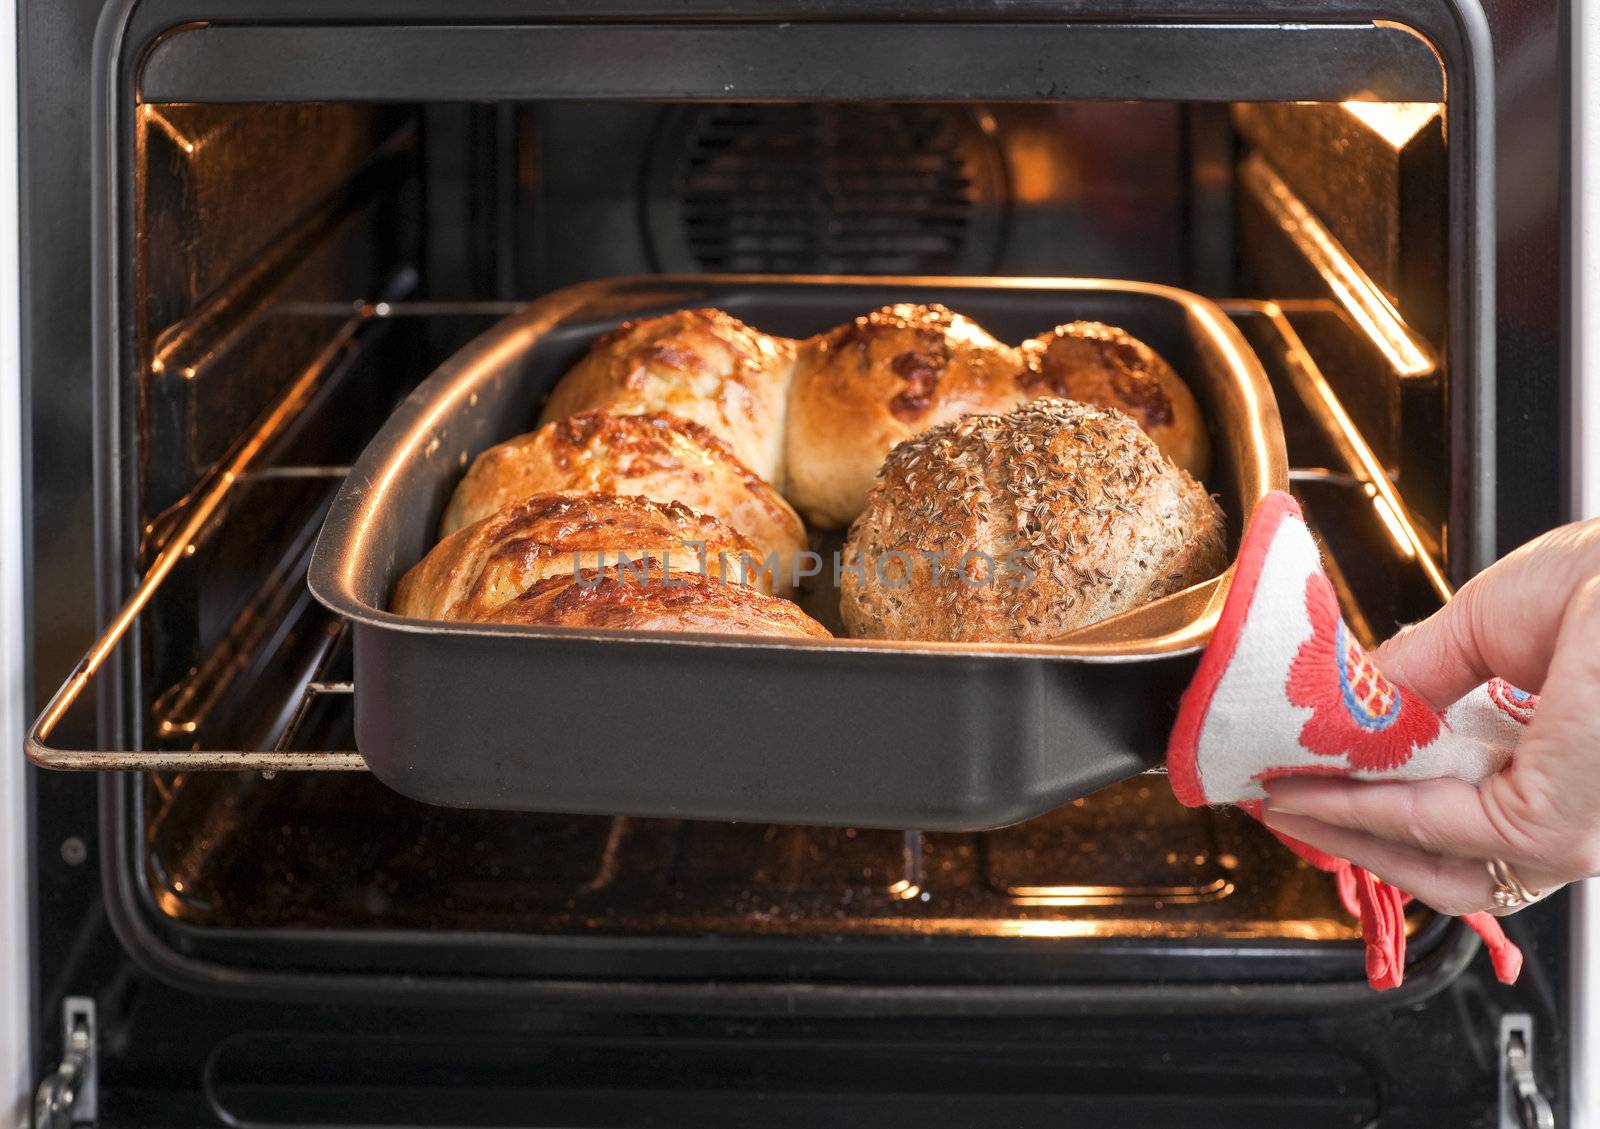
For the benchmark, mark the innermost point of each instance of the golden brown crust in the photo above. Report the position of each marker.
(476, 569)
(692, 603)
(864, 386)
(1108, 367)
(702, 365)
(1079, 497)
(660, 457)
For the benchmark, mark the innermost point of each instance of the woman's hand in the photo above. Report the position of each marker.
(1533, 619)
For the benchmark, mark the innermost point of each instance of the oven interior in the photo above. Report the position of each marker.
(343, 250)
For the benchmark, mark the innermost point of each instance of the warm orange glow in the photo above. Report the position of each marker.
(1308, 930)
(1038, 175)
(150, 115)
(1391, 522)
(1319, 397)
(1212, 891)
(1395, 122)
(1368, 306)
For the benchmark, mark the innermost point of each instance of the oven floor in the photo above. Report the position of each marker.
(340, 850)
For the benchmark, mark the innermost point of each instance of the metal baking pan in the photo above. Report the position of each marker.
(843, 732)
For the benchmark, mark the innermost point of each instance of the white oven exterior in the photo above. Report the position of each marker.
(15, 1006)
(1585, 442)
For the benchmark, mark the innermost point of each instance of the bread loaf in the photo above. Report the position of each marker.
(660, 457)
(1108, 367)
(864, 386)
(701, 365)
(1023, 527)
(478, 568)
(693, 603)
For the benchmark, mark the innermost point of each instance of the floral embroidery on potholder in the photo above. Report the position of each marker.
(1357, 713)
(1516, 704)
(1236, 729)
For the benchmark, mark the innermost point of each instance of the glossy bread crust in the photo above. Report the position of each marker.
(1108, 367)
(477, 569)
(660, 457)
(702, 365)
(1024, 527)
(692, 603)
(866, 385)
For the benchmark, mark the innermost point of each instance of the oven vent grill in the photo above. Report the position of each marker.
(778, 189)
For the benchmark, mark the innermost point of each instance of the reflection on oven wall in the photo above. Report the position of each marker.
(1076, 189)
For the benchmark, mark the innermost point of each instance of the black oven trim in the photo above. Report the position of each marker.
(183, 955)
(974, 61)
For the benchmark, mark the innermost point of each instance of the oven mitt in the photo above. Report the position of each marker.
(1284, 688)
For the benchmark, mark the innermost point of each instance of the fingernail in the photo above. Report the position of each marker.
(1273, 807)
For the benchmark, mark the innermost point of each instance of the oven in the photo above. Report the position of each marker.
(249, 230)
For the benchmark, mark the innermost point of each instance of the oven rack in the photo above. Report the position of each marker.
(1269, 324)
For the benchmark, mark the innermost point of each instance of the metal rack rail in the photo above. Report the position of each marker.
(1288, 360)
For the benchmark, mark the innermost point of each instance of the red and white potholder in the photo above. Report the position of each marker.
(1284, 689)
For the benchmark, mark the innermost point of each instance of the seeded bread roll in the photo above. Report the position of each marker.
(1043, 520)
(701, 365)
(1099, 364)
(863, 387)
(476, 569)
(660, 457)
(700, 604)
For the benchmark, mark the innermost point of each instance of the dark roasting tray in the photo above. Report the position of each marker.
(844, 732)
